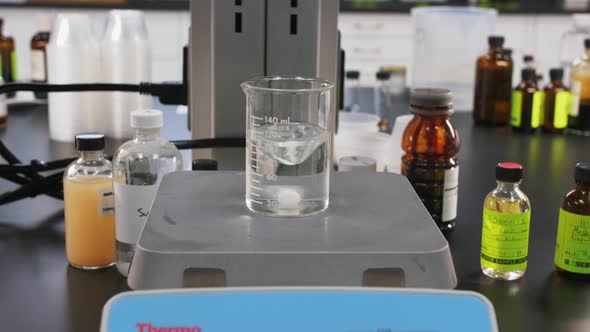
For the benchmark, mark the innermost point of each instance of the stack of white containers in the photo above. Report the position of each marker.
(76, 56)
(126, 58)
(73, 56)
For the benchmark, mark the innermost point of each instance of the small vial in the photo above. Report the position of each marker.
(353, 89)
(572, 252)
(383, 95)
(89, 209)
(527, 104)
(557, 103)
(506, 224)
(138, 167)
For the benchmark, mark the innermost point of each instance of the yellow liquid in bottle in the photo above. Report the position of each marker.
(90, 222)
(508, 206)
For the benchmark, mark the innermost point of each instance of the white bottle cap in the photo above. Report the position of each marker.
(147, 119)
(352, 163)
(44, 22)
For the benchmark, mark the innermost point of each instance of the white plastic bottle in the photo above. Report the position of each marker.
(138, 168)
(126, 57)
(73, 56)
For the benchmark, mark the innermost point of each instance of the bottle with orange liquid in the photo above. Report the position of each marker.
(431, 144)
(89, 206)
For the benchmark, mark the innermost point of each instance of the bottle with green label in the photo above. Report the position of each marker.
(7, 58)
(506, 224)
(557, 103)
(527, 104)
(572, 251)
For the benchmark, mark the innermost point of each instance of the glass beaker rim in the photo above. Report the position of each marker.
(253, 84)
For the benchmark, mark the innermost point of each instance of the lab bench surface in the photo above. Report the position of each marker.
(40, 292)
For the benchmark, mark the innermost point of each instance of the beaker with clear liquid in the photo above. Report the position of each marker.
(288, 145)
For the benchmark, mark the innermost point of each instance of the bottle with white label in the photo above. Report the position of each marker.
(138, 168)
(89, 206)
(431, 145)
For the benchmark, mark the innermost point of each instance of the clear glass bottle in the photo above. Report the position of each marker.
(39, 43)
(8, 61)
(383, 100)
(431, 144)
(89, 206)
(579, 115)
(557, 102)
(506, 224)
(572, 42)
(493, 85)
(138, 167)
(572, 251)
(352, 91)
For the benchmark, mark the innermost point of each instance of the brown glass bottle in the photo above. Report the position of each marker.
(527, 104)
(493, 85)
(557, 103)
(39, 60)
(572, 251)
(431, 144)
(7, 57)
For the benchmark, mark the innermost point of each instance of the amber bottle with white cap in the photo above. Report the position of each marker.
(138, 168)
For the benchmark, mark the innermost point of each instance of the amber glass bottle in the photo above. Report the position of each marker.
(493, 85)
(572, 251)
(7, 58)
(39, 53)
(557, 103)
(431, 144)
(527, 104)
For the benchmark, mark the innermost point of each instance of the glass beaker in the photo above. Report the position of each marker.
(288, 145)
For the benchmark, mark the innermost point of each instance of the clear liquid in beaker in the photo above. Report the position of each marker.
(288, 169)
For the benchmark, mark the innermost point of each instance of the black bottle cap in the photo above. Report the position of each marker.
(582, 174)
(556, 74)
(383, 75)
(587, 43)
(431, 98)
(508, 52)
(496, 40)
(90, 142)
(204, 165)
(528, 57)
(353, 74)
(509, 172)
(529, 74)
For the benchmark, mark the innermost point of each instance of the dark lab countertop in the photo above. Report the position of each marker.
(38, 291)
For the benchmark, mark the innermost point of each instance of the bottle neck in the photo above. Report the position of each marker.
(92, 155)
(507, 186)
(495, 49)
(150, 134)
